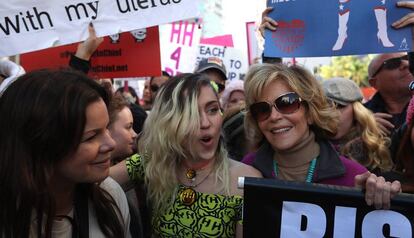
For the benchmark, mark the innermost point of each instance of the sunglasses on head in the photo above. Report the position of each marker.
(154, 88)
(286, 104)
(391, 64)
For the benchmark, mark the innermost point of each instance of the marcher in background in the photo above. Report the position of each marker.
(389, 74)
(156, 83)
(120, 127)
(291, 121)
(146, 96)
(55, 156)
(216, 71)
(233, 95)
(184, 164)
(358, 136)
(138, 113)
(404, 161)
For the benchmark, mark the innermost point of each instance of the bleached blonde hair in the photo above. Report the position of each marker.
(322, 114)
(174, 120)
(374, 143)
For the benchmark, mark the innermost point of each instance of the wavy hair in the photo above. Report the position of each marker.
(374, 143)
(173, 121)
(323, 114)
(43, 115)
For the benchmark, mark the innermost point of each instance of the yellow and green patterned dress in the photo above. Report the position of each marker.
(211, 215)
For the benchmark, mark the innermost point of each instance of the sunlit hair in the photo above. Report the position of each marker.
(43, 117)
(374, 143)
(172, 123)
(321, 113)
(115, 106)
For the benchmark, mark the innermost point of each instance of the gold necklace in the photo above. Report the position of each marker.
(187, 195)
(191, 171)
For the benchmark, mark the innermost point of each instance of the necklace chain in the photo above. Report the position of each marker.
(309, 175)
(202, 180)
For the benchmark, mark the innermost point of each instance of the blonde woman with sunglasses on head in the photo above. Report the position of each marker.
(290, 120)
(192, 184)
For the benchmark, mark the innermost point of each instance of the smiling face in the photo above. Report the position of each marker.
(90, 162)
(205, 143)
(123, 134)
(282, 131)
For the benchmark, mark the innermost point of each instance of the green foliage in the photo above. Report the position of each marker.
(354, 67)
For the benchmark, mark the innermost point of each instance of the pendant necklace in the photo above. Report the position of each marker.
(191, 171)
(309, 175)
(187, 194)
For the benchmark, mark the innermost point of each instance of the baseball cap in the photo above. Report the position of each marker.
(342, 91)
(212, 63)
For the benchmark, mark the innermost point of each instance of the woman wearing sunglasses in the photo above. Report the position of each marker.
(290, 120)
(192, 185)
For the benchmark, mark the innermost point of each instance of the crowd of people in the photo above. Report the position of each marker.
(80, 159)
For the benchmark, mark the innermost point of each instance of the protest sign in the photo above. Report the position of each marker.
(179, 42)
(130, 54)
(335, 27)
(274, 208)
(236, 64)
(33, 25)
(181, 50)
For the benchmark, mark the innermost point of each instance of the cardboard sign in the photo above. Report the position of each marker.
(130, 54)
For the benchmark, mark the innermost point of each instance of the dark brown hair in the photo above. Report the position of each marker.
(43, 115)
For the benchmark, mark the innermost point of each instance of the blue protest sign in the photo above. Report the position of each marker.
(335, 27)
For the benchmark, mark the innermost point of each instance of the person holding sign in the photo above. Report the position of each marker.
(291, 121)
(55, 153)
(192, 184)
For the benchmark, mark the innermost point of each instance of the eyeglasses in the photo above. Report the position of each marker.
(154, 88)
(391, 64)
(286, 104)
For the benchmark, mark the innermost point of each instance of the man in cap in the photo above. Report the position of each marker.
(215, 69)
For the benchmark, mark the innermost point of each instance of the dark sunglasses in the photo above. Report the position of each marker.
(154, 88)
(286, 104)
(391, 64)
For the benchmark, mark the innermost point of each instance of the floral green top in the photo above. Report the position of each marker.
(211, 215)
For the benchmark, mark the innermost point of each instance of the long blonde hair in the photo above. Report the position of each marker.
(374, 143)
(323, 114)
(172, 123)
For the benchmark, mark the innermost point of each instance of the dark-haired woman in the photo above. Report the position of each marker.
(55, 157)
